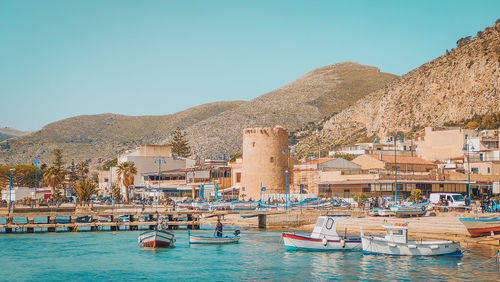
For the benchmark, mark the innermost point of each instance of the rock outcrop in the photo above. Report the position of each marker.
(463, 82)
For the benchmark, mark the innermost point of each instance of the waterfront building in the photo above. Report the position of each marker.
(445, 143)
(307, 175)
(378, 146)
(172, 174)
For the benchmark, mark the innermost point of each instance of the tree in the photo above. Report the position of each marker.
(58, 158)
(53, 177)
(360, 197)
(235, 156)
(180, 144)
(415, 195)
(82, 169)
(84, 190)
(126, 172)
(472, 125)
(115, 191)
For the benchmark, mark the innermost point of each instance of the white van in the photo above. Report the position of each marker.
(453, 199)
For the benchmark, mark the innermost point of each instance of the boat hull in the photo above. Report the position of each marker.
(156, 239)
(299, 242)
(213, 239)
(481, 226)
(379, 246)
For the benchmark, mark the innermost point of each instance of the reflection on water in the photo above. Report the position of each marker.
(260, 255)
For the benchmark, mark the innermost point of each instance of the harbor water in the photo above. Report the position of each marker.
(86, 256)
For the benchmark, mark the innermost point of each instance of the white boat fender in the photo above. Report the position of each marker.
(325, 242)
(342, 243)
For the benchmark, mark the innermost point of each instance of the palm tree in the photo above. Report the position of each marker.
(82, 168)
(84, 190)
(126, 172)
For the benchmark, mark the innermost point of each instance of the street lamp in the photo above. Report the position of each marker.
(10, 187)
(159, 160)
(36, 162)
(467, 147)
(395, 138)
(288, 174)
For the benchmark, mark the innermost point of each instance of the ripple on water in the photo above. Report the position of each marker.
(259, 256)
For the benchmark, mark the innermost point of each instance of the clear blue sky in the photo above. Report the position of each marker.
(64, 58)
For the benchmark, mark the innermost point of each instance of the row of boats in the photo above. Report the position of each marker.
(324, 237)
(164, 239)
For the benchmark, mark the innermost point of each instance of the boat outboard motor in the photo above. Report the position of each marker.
(236, 232)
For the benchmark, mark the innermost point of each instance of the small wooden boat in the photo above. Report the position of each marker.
(84, 219)
(156, 239)
(407, 211)
(124, 218)
(196, 239)
(105, 218)
(324, 237)
(480, 226)
(144, 218)
(396, 243)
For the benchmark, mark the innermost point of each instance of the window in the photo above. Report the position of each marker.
(489, 170)
(347, 190)
(271, 159)
(253, 144)
(366, 190)
(238, 177)
(329, 223)
(475, 170)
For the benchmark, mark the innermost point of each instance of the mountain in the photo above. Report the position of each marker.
(9, 132)
(103, 135)
(212, 128)
(311, 98)
(463, 82)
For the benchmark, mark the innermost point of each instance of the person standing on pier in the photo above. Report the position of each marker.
(218, 228)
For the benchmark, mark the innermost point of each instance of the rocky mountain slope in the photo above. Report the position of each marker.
(212, 128)
(463, 82)
(104, 135)
(312, 97)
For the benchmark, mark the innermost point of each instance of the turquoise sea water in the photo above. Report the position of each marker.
(260, 256)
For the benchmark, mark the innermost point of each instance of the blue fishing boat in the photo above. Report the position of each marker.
(84, 219)
(224, 239)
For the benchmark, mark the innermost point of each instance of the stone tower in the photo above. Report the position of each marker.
(264, 161)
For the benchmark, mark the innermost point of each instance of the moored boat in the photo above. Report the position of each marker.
(156, 239)
(407, 211)
(480, 226)
(197, 239)
(396, 242)
(324, 237)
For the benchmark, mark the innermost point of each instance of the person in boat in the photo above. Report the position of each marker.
(218, 228)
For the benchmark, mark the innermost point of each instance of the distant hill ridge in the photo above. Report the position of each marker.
(212, 128)
(9, 132)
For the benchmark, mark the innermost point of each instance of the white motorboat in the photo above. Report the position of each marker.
(156, 239)
(324, 237)
(224, 239)
(396, 242)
